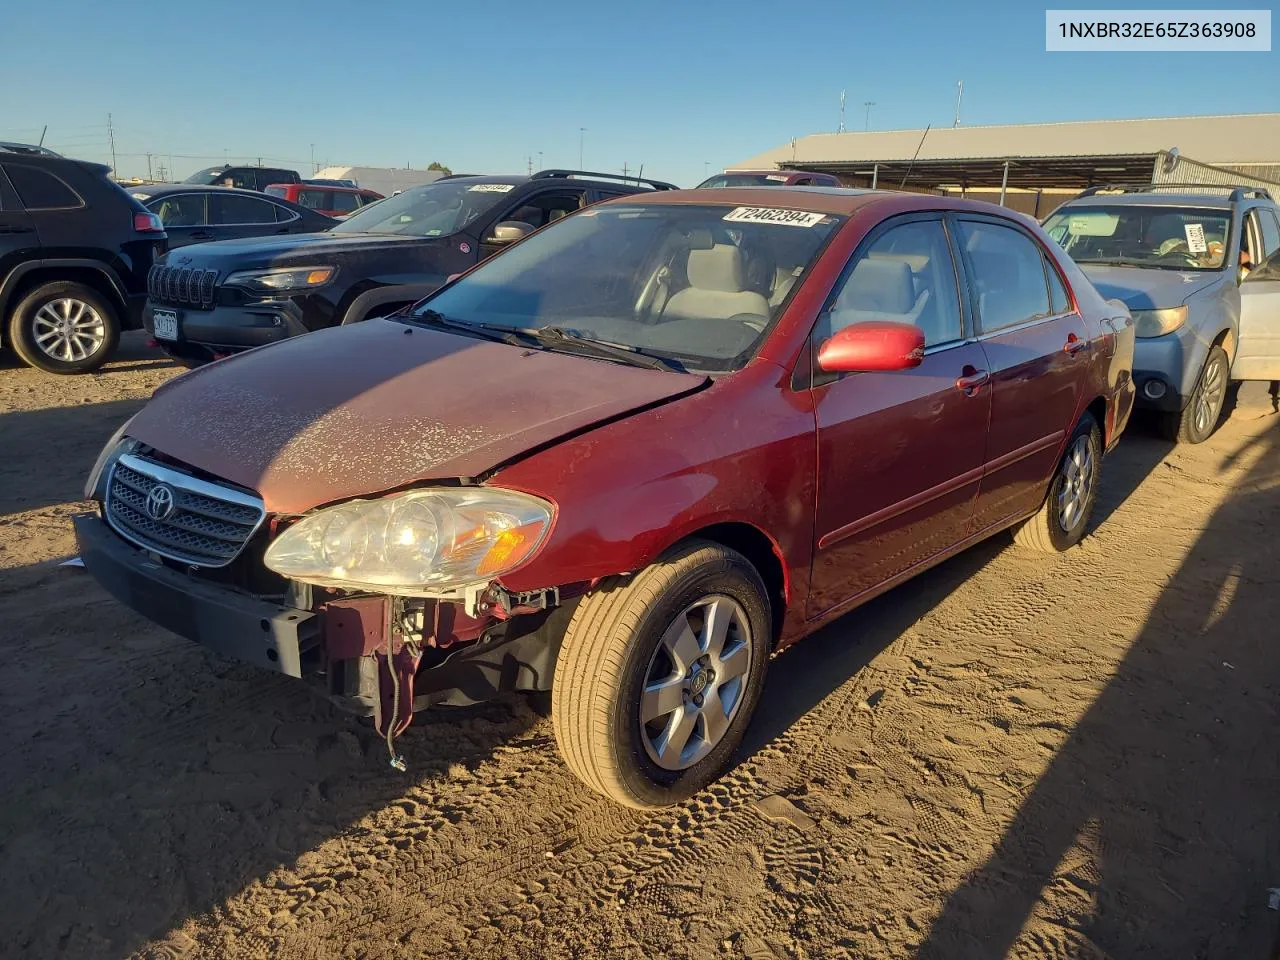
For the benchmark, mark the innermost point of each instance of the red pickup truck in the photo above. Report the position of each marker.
(330, 201)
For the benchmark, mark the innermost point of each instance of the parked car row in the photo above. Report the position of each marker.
(621, 442)
(651, 441)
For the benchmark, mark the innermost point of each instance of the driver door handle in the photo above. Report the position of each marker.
(971, 380)
(1074, 344)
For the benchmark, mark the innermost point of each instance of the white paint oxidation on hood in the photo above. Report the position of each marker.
(362, 409)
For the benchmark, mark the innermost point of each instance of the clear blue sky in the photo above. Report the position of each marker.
(481, 86)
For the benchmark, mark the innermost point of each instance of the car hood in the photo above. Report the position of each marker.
(248, 253)
(1142, 288)
(358, 410)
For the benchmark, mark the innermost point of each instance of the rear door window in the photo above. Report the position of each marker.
(342, 202)
(1270, 231)
(1008, 274)
(314, 199)
(40, 190)
(180, 209)
(1059, 302)
(234, 209)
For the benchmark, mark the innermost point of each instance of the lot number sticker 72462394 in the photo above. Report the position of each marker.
(787, 218)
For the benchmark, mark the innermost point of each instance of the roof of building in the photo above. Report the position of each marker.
(1240, 138)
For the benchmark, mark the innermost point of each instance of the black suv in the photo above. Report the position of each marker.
(246, 178)
(75, 250)
(218, 298)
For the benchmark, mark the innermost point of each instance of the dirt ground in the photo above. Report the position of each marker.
(1011, 755)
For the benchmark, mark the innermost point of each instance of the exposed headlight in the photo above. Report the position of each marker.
(414, 543)
(115, 448)
(1156, 323)
(287, 278)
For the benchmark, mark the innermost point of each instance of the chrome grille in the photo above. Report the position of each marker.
(187, 286)
(206, 524)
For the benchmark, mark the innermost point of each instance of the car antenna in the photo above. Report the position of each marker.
(914, 155)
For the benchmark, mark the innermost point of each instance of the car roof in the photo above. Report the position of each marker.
(156, 189)
(27, 149)
(1152, 200)
(842, 201)
(769, 173)
(304, 185)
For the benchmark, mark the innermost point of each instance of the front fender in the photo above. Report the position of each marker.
(366, 303)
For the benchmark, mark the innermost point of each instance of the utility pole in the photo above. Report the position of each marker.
(314, 168)
(959, 94)
(149, 177)
(624, 168)
(541, 165)
(868, 104)
(529, 160)
(841, 127)
(111, 136)
(582, 134)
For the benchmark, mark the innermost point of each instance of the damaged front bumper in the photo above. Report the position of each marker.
(347, 647)
(226, 621)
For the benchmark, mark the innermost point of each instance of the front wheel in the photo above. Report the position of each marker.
(658, 675)
(1064, 516)
(64, 327)
(1200, 416)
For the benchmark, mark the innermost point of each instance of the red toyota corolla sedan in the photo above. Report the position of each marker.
(625, 461)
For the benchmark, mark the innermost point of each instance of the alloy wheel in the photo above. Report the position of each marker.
(695, 682)
(1209, 397)
(68, 329)
(1078, 474)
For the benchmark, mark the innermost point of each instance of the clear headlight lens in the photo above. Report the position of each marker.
(285, 278)
(115, 448)
(413, 543)
(1156, 323)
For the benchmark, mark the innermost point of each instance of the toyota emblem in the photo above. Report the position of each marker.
(160, 502)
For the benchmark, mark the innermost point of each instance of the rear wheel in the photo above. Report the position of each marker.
(659, 673)
(1063, 518)
(64, 327)
(1198, 419)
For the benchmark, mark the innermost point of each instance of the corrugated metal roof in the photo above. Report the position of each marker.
(1242, 138)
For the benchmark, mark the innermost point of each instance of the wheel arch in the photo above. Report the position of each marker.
(398, 295)
(91, 273)
(762, 552)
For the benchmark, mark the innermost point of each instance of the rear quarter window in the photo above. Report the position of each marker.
(41, 190)
(277, 191)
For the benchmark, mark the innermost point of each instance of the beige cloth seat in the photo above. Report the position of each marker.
(878, 289)
(716, 290)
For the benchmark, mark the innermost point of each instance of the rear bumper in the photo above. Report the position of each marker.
(226, 621)
(230, 329)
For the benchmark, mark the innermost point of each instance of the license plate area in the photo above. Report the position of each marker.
(165, 324)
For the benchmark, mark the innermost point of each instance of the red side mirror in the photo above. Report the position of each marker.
(873, 345)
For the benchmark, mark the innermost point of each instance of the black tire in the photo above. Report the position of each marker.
(1198, 419)
(27, 314)
(1048, 531)
(609, 650)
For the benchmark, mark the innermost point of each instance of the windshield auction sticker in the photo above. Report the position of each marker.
(1195, 238)
(492, 187)
(787, 218)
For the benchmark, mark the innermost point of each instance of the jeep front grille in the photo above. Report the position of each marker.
(177, 515)
(185, 286)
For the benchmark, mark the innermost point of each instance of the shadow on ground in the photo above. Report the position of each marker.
(1205, 662)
